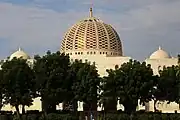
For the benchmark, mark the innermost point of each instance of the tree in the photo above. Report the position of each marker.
(1, 89)
(178, 59)
(72, 76)
(109, 95)
(17, 81)
(168, 85)
(86, 83)
(133, 81)
(51, 79)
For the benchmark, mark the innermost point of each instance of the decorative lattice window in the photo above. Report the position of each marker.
(92, 34)
(103, 41)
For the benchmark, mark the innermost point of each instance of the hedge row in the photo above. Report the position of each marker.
(144, 116)
(51, 116)
(54, 116)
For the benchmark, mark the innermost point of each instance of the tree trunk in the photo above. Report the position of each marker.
(66, 106)
(86, 106)
(75, 106)
(17, 111)
(1, 104)
(51, 108)
(70, 106)
(23, 109)
(111, 106)
(90, 106)
(155, 109)
(44, 106)
(48, 106)
(129, 107)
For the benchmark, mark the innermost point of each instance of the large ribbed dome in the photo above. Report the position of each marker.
(91, 36)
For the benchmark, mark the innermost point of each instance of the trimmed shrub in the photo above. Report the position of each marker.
(54, 116)
(100, 116)
(174, 117)
(6, 112)
(32, 117)
(142, 117)
(32, 112)
(124, 117)
(3, 117)
(157, 116)
(111, 116)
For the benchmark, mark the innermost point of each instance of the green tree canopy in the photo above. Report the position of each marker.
(51, 77)
(86, 83)
(109, 95)
(1, 88)
(168, 85)
(131, 82)
(17, 81)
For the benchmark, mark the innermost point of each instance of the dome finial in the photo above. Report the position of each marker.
(91, 12)
(91, 9)
(19, 49)
(160, 48)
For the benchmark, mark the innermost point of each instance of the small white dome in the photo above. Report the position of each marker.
(159, 54)
(19, 54)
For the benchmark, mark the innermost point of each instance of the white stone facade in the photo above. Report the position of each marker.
(95, 41)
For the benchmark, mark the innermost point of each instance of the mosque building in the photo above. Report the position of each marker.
(97, 42)
(158, 60)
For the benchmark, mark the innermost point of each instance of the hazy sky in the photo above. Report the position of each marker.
(39, 25)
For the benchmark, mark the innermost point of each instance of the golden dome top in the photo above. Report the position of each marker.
(92, 35)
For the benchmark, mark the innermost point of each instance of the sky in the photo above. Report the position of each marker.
(39, 25)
